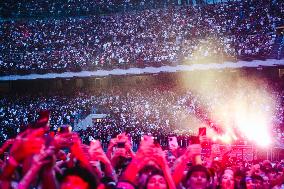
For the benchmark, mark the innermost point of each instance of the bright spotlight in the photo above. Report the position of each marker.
(255, 129)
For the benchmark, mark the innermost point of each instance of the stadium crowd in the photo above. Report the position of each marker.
(45, 8)
(39, 159)
(137, 111)
(17, 112)
(146, 141)
(151, 37)
(131, 148)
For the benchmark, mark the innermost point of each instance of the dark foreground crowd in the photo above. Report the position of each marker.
(45, 153)
(37, 158)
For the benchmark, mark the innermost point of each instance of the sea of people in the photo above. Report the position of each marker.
(146, 140)
(37, 158)
(173, 111)
(152, 37)
(45, 8)
(162, 110)
(17, 112)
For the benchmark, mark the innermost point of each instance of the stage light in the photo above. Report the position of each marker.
(246, 110)
(255, 129)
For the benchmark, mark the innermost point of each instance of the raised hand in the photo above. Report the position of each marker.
(6, 145)
(28, 144)
(193, 150)
(45, 157)
(96, 152)
(64, 140)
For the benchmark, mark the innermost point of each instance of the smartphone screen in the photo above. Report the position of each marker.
(202, 131)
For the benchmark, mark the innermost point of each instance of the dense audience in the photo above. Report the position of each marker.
(46, 8)
(17, 112)
(39, 159)
(139, 112)
(144, 142)
(162, 110)
(151, 37)
(148, 138)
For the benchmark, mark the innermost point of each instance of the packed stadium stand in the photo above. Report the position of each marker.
(142, 94)
(172, 35)
(136, 110)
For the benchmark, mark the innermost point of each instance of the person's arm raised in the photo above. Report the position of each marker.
(192, 154)
(44, 158)
(25, 144)
(139, 161)
(6, 145)
(160, 159)
(97, 154)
